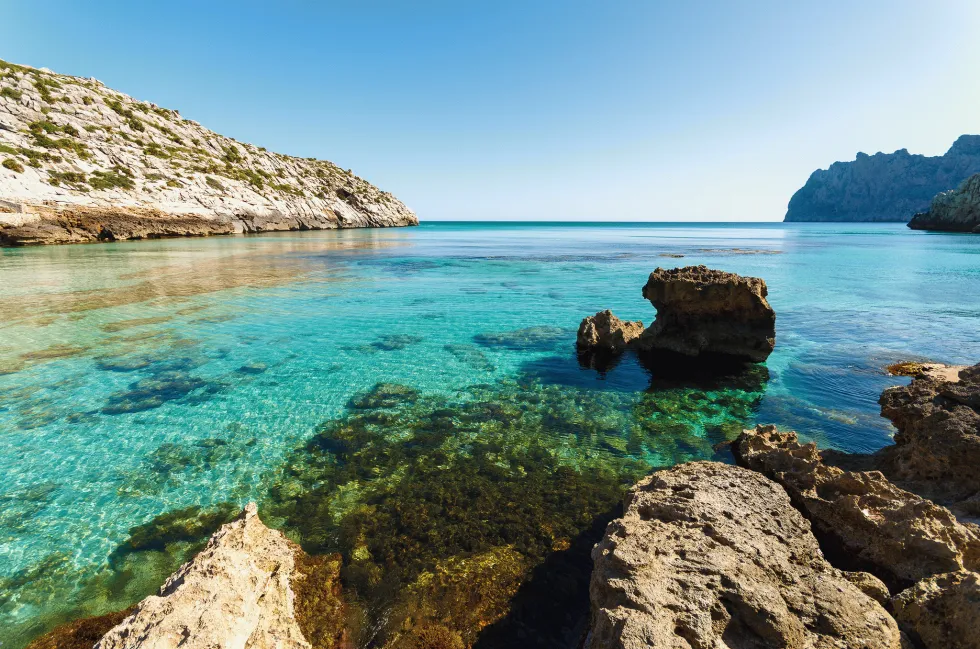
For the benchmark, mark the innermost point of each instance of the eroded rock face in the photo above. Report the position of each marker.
(943, 611)
(938, 440)
(235, 594)
(883, 186)
(605, 332)
(957, 210)
(710, 314)
(711, 555)
(905, 537)
(80, 162)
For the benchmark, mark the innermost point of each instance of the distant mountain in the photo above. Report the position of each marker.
(883, 186)
(82, 162)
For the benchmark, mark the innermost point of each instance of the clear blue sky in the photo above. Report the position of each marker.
(542, 110)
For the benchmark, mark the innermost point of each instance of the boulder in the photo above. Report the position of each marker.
(937, 446)
(236, 593)
(900, 536)
(943, 611)
(709, 314)
(712, 555)
(605, 332)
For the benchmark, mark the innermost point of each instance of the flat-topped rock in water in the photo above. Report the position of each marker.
(956, 210)
(237, 593)
(905, 537)
(883, 186)
(604, 332)
(712, 555)
(80, 162)
(937, 446)
(709, 314)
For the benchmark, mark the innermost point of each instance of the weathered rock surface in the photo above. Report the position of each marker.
(709, 314)
(235, 594)
(937, 447)
(956, 210)
(81, 162)
(711, 555)
(943, 611)
(883, 186)
(605, 332)
(905, 537)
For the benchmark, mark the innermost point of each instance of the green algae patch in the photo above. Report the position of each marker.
(319, 608)
(457, 517)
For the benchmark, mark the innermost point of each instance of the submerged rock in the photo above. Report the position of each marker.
(942, 612)
(709, 314)
(236, 593)
(956, 210)
(937, 447)
(711, 555)
(605, 332)
(903, 537)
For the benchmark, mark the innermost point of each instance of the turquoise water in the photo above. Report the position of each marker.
(141, 378)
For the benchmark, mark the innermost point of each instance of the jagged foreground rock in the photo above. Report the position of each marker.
(82, 162)
(883, 186)
(942, 612)
(604, 331)
(957, 210)
(710, 555)
(709, 313)
(904, 537)
(236, 593)
(937, 447)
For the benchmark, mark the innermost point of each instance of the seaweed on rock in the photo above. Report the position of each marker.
(444, 508)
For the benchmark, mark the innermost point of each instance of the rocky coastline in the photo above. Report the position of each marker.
(782, 545)
(956, 210)
(883, 186)
(80, 162)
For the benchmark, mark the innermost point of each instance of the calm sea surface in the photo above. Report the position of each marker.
(150, 382)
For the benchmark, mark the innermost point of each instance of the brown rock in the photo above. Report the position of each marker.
(235, 594)
(711, 555)
(943, 611)
(709, 313)
(904, 537)
(938, 440)
(605, 332)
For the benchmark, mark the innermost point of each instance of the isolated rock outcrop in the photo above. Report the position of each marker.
(82, 162)
(905, 537)
(237, 593)
(709, 314)
(943, 611)
(937, 447)
(883, 186)
(956, 210)
(605, 332)
(711, 555)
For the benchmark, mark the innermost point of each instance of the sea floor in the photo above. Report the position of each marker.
(411, 399)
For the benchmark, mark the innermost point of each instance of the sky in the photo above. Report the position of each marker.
(571, 110)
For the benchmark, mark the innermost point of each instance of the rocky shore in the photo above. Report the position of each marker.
(956, 210)
(80, 162)
(883, 186)
(793, 548)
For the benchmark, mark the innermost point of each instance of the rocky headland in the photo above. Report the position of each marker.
(883, 186)
(705, 319)
(956, 210)
(80, 162)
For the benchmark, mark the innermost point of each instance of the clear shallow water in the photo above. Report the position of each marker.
(141, 378)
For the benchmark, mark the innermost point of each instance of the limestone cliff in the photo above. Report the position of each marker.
(82, 162)
(957, 210)
(883, 186)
